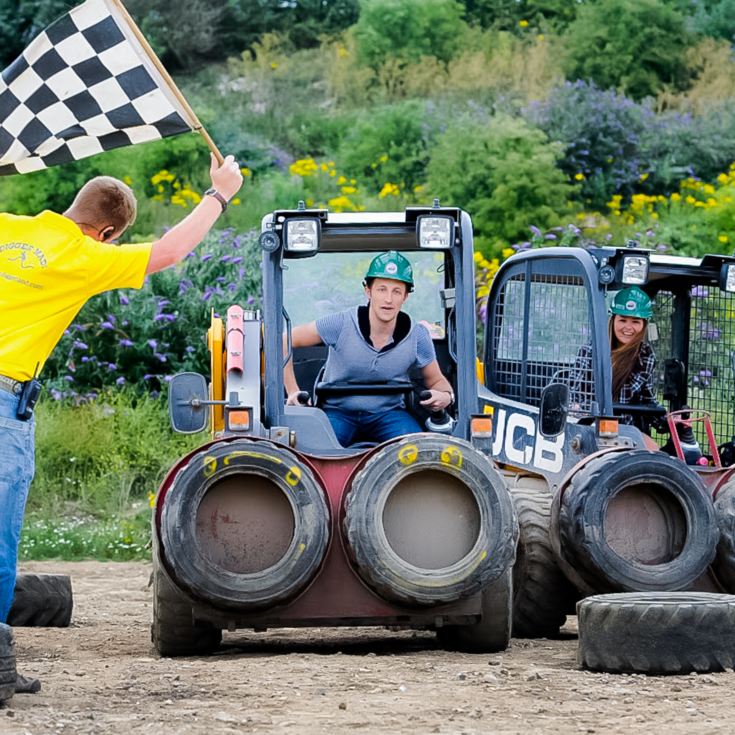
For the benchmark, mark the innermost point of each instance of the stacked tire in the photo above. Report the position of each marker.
(244, 526)
(724, 564)
(7, 663)
(637, 521)
(428, 521)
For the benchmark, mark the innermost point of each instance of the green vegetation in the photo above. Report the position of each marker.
(581, 120)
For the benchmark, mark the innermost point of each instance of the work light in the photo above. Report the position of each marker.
(635, 270)
(302, 235)
(435, 231)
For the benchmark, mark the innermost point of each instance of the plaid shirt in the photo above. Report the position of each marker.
(637, 388)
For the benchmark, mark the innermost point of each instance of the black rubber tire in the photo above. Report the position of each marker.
(493, 631)
(278, 583)
(174, 632)
(724, 564)
(657, 632)
(582, 516)
(42, 601)
(400, 581)
(542, 595)
(7, 663)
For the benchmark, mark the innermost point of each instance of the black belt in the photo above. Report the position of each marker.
(11, 386)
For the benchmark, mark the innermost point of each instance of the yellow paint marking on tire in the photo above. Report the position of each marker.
(210, 466)
(255, 455)
(452, 456)
(409, 454)
(293, 476)
(300, 549)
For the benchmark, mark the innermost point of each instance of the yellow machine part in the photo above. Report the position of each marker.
(480, 370)
(216, 346)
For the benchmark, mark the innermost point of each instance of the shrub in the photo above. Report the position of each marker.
(637, 46)
(504, 173)
(519, 15)
(140, 338)
(601, 134)
(390, 144)
(407, 30)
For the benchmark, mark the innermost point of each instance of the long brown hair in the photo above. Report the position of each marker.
(624, 357)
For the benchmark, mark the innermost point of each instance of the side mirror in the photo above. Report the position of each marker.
(187, 407)
(553, 409)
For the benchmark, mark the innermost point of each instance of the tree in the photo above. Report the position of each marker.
(408, 29)
(504, 174)
(21, 22)
(637, 46)
(510, 15)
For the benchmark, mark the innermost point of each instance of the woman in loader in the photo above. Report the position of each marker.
(633, 359)
(376, 343)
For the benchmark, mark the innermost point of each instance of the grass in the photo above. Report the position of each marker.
(98, 465)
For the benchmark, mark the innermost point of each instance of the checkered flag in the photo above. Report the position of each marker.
(86, 84)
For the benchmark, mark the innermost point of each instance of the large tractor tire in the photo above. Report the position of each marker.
(637, 521)
(244, 525)
(724, 564)
(174, 632)
(542, 595)
(657, 632)
(7, 663)
(41, 601)
(492, 632)
(429, 521)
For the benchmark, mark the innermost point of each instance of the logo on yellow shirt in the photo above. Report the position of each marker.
(20, 257)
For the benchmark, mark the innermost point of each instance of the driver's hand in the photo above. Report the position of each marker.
(293, 399)
(439, 400)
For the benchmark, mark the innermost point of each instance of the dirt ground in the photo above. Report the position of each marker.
(102, 676)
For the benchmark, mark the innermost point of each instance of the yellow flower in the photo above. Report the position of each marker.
(127, 180)
(709, 189)
(342, 52)
(540, 37)
(389, 190)
(523, 23)
(579, 177)
(642, 177)
(383, 158)
(235, 201)
(676, 197)
(341, 180)
(723, 238)
(348, 189)
(245, 171)
(690, 199)
(274, 65)
(340, 203)
(507, 252)
(152, 500)
(304, 167)
(721, 179)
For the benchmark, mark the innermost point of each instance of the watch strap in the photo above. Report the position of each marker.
(214, 193)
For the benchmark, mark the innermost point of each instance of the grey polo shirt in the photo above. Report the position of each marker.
(353, 359)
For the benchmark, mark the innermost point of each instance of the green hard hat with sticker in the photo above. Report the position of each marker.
(632, 302)
(391, 265)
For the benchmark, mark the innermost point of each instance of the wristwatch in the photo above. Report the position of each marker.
(451, 396)
(214, 193)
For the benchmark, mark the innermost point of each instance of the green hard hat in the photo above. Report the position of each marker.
(391, 265)
(633, 302)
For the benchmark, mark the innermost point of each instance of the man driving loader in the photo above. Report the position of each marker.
(375, 343)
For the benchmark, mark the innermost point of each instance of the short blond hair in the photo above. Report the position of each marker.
(104, 201)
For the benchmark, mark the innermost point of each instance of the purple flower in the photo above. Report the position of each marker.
(160, 357)
(124, 300)
(107, 325)
(705, 373)
(235, 261)
(153, 344)
(112, 367)
(164, 318)
(125, 343)
(163, 302)
(56, 394)
(535, 230)
(206, 256)
(79, 345)
(191, 254)
(120, 380)
(700, 292)
(85, 358)
(66, 331)
(111, 318)
(69, 378)
(250, 300)
(148, 376)
(168, 378)
(189, 349)
(549, 236)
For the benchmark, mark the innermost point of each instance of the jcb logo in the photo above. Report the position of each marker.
(517, 437)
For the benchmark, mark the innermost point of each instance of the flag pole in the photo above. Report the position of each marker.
(198, 127)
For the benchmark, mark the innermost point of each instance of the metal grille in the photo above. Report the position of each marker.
(537, 347)
(711, 364)
(711, 383)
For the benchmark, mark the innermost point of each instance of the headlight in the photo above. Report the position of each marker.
(302, 235)
(727, 277)
(635, 270)
(435, 232)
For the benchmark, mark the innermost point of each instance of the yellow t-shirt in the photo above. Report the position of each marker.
(48, 270)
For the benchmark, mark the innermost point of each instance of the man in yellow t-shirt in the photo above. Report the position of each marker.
(50, 265)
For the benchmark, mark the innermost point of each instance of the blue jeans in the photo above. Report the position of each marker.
(17, 457)
(354, 426)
